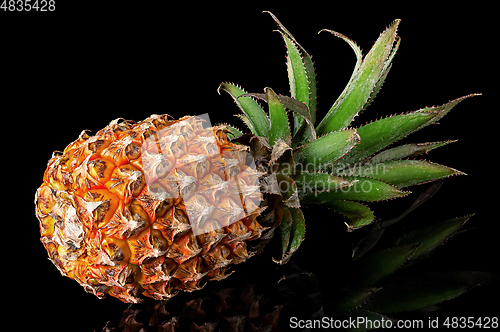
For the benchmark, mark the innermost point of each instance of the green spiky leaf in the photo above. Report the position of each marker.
(298, 233)
(308, 65)
(355, 48)
(298, 108)
(285, 228)
(373, 237)
(293, 233)
(279, 119)
(359, 61)
(297, 76)
(359, 215)
(445, 108)
(326, 150)
(258, 122)
(424, 196)
(378, 134)
(362, 189)
(374, 267)
(383, 75)
(418, 291)
(233, 132)
(313, 182)
(363, 84)
(405, 173)
(429, 238)
(407, 150)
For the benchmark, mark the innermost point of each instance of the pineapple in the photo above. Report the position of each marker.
(153, 207)
(165, 205)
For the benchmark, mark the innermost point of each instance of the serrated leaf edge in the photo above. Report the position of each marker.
(406, 193)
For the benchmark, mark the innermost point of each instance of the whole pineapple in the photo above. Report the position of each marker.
(153, 207)
(165, 205)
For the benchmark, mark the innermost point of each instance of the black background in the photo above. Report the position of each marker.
(86, 64)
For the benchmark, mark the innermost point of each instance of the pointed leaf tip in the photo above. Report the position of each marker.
(407, 150)
(405, 173)
(431, 237)
(377, 266)
(444, 109)
(362, 83)
(301, 75)
(358, 214)
(255, 117)
(390, 129)
(425, 289)
(362, 189)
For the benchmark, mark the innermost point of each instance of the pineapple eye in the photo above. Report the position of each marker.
(133, 151)
(168, 266)
(117, 250)
(156, 190)
(164, 166)
(180, 215)
(117, 255)
(149, 132)
(178, 149)
(164, 206)
(158, 241)
(101, 211)
(98, 145)
(100, 169)
(138, 220)
(130, 273)
(187, 187)
(137, 213)
(137, 186)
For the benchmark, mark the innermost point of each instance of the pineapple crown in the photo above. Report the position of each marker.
(331, 163)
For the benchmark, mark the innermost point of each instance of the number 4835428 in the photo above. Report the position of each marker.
(28, 5)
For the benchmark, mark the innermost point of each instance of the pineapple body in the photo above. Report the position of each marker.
(151, 208)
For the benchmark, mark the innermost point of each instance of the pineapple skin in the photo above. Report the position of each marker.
(152, 208)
